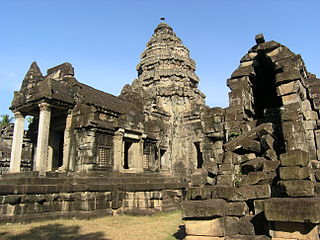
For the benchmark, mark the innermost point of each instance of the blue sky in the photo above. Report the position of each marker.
(104, 39)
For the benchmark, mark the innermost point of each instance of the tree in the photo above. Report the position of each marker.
(5, 120)
(29, 120)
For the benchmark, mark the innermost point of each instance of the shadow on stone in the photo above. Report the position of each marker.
(55, 232)
(181, 233)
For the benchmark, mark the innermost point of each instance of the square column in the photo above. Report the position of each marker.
(118, 148)
(43, 138)
(66, 144)
(16, 151)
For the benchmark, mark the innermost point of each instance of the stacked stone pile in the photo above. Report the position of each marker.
(231, 209)
(283, 205)
(268, 150)
(296, 175)
(294, 213)
(247, 159)
(224, 212)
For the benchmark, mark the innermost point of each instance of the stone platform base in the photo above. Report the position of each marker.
(26, 197)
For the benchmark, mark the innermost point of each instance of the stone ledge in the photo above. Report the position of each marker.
(292, 210)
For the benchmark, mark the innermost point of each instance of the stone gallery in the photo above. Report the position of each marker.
(248, 171)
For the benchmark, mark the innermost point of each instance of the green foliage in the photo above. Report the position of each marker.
(233, 135)
(29, 120)
(5, 120)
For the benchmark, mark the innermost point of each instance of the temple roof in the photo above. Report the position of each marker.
(60, 86)
(166, 55)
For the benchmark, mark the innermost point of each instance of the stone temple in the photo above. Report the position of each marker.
(248, 171)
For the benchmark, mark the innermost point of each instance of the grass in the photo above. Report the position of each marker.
(160, 226)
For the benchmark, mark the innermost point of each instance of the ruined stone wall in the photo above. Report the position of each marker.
(261, 154)
(6, 134)
(289, 104)
(269, 199)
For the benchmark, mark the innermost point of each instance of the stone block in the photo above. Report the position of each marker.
(292, 230)
(211, 167)
(237, 209)
(317, 189)
(246, 157)
(246, 226)
(250, 192)
(248, 57)
(291, 112)
(310, 115)
(287, 76)
(289, 88)
(205, 208)
(203, 238)
(238, 194)
(267, 142)
(197, 193)
(258, 206)
(225, 179)
(316, 104)
(234, 113)
(291, 98)
(268, 46)
(248, 141)
(296, 172)
(7, 189)
(242, 83)
(230, 157)
(296, 188)
(293, 210)
(252, 165)
(226, 168)
(254, 178)
(270, 165)
(295, 157)
(317, 175)
(249, 237)
(310, 124)
(218, 227)
(314, 92)
(243, 71)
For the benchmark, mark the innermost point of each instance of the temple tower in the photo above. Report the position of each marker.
(171, 100)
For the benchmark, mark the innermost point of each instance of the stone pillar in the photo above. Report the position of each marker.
(16, 151)
(135, 158)
(140, 164)
(118, 149)
(43, 138)
(66, 144)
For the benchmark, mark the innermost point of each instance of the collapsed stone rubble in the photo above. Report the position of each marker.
(263, 183)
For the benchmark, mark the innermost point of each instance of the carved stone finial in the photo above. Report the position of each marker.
(162, 19)
(259, 38)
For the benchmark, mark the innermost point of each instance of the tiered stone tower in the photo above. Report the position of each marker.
(168, 85)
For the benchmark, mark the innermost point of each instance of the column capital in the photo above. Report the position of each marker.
(18, 114)
(44, 106)
(144, 136)
(120, 132)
